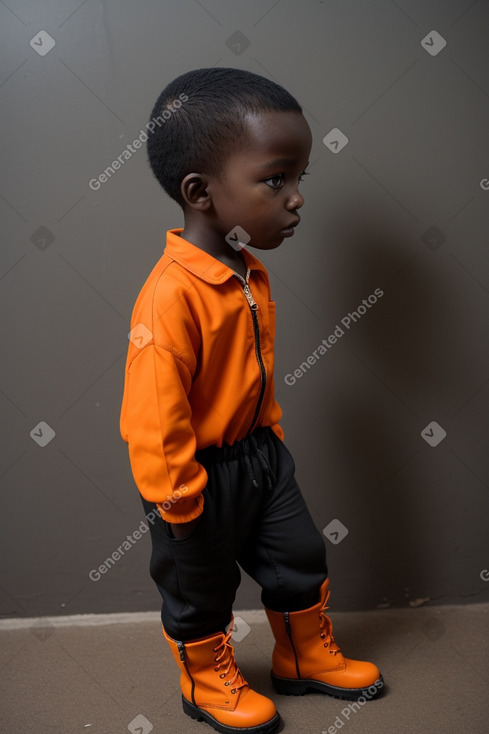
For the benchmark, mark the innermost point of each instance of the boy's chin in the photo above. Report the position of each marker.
(268, 245)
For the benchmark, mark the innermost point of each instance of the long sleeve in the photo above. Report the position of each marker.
(156, 423)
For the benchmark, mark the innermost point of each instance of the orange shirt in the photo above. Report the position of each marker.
(199, 367)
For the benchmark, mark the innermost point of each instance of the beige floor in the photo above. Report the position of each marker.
(111, 675)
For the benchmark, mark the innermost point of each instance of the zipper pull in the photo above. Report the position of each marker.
(249, 297)
(287, 624)
(181, 650)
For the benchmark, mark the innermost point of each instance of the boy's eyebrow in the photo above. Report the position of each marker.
(281, 162)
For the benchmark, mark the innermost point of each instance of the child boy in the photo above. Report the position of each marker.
(199, 412)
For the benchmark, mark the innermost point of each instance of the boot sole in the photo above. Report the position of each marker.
(200, 715)
(291, 687)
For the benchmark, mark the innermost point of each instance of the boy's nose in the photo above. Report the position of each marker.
(295, 200)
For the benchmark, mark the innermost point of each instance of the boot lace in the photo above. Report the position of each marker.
(326, 629)
(226, 662)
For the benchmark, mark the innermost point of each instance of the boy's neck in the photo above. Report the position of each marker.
(218, 248)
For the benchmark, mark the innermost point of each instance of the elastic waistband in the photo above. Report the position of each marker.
(245, 447)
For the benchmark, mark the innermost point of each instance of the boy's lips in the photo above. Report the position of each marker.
(289, 231)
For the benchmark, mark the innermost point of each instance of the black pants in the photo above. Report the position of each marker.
(255, 516)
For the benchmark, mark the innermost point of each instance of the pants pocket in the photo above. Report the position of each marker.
(190, 534)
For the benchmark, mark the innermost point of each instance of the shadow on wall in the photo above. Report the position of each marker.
(405, 373)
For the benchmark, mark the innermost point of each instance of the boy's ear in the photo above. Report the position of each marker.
(194, 191)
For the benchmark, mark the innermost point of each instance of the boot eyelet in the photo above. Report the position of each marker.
(323, 635)
(226, 683)
(325, 644)
(233, 690)
(222, 675)
(216, 669)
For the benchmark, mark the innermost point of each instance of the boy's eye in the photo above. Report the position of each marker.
(275, 182)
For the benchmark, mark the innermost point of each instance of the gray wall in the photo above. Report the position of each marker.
(403, 208)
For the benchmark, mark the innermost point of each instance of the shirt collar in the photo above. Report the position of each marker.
(200, 263)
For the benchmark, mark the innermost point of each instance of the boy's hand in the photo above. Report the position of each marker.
(180, 530)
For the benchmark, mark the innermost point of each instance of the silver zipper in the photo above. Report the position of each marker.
(256, 331)
(249, 297)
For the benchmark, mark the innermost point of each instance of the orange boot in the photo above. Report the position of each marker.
(214, 690)
(307, 658)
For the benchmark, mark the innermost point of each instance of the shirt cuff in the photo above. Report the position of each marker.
(182, 511)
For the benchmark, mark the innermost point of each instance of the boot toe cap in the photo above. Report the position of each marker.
(360, 674)
(352, 675)
(252, 710)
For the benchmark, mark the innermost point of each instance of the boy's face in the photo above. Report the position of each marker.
(259, 190)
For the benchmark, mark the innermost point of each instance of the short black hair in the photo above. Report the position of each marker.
(200, 117)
